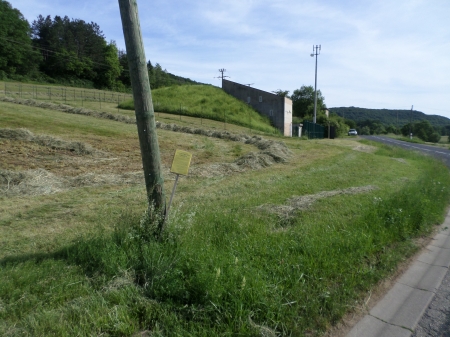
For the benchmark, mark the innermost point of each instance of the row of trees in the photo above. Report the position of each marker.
(303, 109)
(421, 129)
(68, 51)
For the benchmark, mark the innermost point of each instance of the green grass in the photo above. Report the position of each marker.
(79, 263)
(205, 101)
(216, 109)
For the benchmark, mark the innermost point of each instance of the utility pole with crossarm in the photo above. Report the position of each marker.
(315, 53)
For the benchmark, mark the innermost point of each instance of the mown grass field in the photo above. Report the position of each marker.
(284, 250)
(199, 105)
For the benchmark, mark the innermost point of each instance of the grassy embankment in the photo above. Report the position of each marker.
(194, 105)
(238, 257)
(205, 101)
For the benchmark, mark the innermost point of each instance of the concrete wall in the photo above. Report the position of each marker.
(277, 108)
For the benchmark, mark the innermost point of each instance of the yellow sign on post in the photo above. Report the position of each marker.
(180, 165)
(181, 162)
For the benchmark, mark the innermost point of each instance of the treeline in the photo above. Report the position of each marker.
(386, 120)
(67, 51)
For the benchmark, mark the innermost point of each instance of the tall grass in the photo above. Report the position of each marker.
(223, 268)
(205, 101)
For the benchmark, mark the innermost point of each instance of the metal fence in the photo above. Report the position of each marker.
(313, 131)
(108, 101)
(61, 94)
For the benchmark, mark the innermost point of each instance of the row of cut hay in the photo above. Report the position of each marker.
(301, 203)
(43, 182)
(48, 141)
(275, 149)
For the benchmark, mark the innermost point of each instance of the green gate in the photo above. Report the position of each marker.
(313, 131)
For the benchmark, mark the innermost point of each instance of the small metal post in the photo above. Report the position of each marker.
(410, 122)
(171, 197)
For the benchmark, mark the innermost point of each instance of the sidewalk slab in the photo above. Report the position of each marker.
(403, 306)
(372, 327)
(445, 229)
(423, 276)
(435, 256)
(441, 240)
(446, 224)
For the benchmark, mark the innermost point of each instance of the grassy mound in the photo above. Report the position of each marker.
(205, 101)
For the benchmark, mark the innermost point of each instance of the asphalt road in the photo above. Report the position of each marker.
(437, 152)
(436, 320)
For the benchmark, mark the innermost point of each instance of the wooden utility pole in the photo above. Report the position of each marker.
(145, 115)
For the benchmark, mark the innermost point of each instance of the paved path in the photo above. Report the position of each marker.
(419, 303)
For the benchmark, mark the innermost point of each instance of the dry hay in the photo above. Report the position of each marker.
(262, 330)
(273, 152)
(302, 203)
(365, 148)
(270, 151)
(400, 160)
(277, 150)
(48, 141)
(43, 182)
(70, 109)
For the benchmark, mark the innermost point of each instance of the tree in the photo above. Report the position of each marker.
(124, 76)
(76, 49)
(109, 74)
(303, 101)
(282, 93)
(350, 122)
(422, 130)
(17, 56)
(365, 130)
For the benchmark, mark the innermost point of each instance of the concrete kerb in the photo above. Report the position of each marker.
(399, 311)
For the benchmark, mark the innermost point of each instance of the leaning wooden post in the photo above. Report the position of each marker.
(145, 115)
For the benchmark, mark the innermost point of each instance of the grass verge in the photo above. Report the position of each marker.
(225, 267)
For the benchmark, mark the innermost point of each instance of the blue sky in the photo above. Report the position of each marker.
(375, 54)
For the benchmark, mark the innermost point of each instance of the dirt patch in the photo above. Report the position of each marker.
(301, 203)
(48, 141)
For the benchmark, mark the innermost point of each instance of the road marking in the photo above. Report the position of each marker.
(411, 146)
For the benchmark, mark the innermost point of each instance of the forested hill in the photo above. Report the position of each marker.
(67, 51)
(387, 117)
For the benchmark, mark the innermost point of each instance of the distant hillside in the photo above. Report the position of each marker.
(387, 117)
